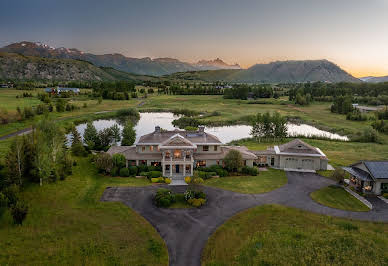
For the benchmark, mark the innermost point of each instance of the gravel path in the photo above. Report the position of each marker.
(186, 231)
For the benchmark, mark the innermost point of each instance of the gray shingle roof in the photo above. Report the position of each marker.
(378, 169)
(360, 174)
(298, 146)
(195, 137)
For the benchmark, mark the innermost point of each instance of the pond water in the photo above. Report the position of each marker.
(148, 121)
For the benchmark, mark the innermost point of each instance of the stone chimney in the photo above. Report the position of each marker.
(201, 129)
(157, 129)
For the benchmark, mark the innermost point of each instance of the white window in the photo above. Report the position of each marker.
(205, 148)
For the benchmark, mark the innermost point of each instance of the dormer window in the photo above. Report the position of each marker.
(143, 148)
(151, 148)
(215, 148)
(299, 146)
(205, 148)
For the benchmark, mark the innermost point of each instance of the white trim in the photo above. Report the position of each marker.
(319, 150)
(300, 154)
(177, 147)
(277, 150)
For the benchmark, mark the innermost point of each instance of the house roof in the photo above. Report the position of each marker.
(245, 153)
(360, 174)
(298, 146)
(177, 141)
(378, 169)
(195, 137)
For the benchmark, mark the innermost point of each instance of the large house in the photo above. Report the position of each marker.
(59, 90)
(369, 176)
(294, 155)
(179, 152)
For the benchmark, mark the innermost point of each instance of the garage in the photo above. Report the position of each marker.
(308, 164)
(291, 163)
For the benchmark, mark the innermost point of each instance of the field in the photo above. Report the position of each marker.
(337, 197)
(264, 182)
(276, 235)
(68, 225)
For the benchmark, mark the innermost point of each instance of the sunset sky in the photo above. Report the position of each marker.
(351, 33)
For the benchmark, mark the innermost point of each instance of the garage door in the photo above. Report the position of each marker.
(308, 164)
(291, 163)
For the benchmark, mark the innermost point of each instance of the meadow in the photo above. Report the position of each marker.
(68, 225)
(277, 235)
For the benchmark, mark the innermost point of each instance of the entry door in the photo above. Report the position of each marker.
(176, 168)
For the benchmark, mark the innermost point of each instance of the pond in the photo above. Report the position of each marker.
(148, 121)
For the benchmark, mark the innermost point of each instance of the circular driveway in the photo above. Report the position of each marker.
(186, 231)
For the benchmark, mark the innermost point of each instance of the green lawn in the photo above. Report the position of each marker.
(68, 225)
(277, 235)
(337, 197)
(264, 182)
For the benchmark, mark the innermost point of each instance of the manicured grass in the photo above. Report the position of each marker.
(264, 182)
(180, 205)
(277, 235)
(68, 225)
(337, 197)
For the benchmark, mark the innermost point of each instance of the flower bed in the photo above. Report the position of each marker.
(165, 198)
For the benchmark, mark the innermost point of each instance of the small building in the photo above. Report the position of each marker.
(367, 109)
(295, 155)
(369, 176)
(58, 90)
(179, 152)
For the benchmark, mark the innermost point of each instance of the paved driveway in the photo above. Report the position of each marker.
(186, 231)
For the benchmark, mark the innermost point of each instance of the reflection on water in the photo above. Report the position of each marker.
(148, 121)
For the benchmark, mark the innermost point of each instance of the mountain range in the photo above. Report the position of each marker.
(371, 79)
(275, 72)
(29, 60)
(141, 66)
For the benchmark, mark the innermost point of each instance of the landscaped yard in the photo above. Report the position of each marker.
(265, 181)
(68, 225)
(276, 235)
(337, 197)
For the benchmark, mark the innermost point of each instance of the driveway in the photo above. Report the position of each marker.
(186, 231)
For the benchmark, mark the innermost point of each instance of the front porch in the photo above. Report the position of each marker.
(177, 170)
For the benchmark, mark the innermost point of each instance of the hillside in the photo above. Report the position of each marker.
(280, 71)
(13, 66)
(141, 66)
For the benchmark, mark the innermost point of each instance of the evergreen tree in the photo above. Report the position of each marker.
(129, 135)
(77, 148)
(91, 136)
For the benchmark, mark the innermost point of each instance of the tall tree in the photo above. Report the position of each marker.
(77, 148)
(91, 136)
(116, 133)
(129, 135)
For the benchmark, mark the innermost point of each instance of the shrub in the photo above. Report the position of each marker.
(155, 180)
(154, 174)
(104, 162)
(249, 170)
(118, 160)
(189, 194)
(143, 174)
(11, 193)
(196, 202)
(124, 172)
(133, 170)
(200, 195)
(187, 179)
(233, 160)
(114, 171)
(3, 203)
(168, 181)
(196, 180)
(164, 198)
(19, 212)
(385, 195)
(206, 175)
(143, 168)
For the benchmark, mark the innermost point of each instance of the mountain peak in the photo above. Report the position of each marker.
(216, 64)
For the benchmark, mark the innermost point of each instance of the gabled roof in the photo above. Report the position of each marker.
(378, 169)
(372, 169)
(195, 137)
(298, 146)
(177, 140)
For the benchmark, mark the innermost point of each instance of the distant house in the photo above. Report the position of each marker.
(6, 85)
(58, 90)
(295, 155)
(369, 176)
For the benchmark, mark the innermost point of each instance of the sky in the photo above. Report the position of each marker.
(351, 33)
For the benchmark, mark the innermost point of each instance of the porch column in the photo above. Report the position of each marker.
(163, 169)
(170, 169)
(184, 169)
(137, 162)
(126, 163)
(191, 169)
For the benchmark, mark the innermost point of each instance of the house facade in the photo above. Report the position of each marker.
(369, 176)
(179, 152)
(295, 155)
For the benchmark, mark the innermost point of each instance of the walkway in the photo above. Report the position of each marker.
(186, 231)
